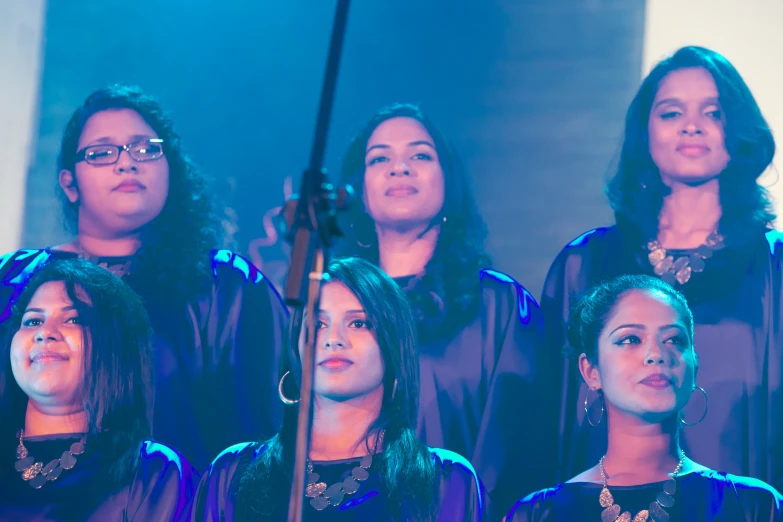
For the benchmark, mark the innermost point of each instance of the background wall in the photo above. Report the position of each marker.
(533, 93)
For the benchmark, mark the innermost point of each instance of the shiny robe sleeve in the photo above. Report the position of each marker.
(15, 270)
(461, 494)
(705, 496)
(163, 488)
(214, 500)
(515, 447)
(242, 325)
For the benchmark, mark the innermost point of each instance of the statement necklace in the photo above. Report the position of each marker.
(664, 499)
(679, 270)
(35, 473)
(322, 496)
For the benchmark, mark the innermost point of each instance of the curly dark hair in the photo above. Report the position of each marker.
(175, 248)
(117, 364)
(450, 286)
(636, 192)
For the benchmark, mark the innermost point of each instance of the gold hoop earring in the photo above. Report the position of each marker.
(706, 407)
(587, 410)
(286, 400)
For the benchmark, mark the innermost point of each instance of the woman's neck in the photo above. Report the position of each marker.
(639, 452)
(120, 246)
(406, 252)
(340, 427)
(42, 420)
(689, 214)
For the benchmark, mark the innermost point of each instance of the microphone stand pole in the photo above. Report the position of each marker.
(311, 220)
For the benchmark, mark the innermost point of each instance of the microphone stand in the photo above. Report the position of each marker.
(311, 221)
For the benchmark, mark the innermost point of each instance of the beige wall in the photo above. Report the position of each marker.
(747, 32)
(21, 39)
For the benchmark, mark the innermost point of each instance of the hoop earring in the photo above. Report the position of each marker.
(587, 410)
(357, 240)
(286, 400)
(706, 407)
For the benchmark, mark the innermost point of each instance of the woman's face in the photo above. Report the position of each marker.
(646, 363)
(403, 179)
(348, 359)
(48, 350)
(685, 127)
(121, 197)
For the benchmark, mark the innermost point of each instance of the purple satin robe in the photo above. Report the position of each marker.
(737, 304)
(215, 353)
(485, 388)
(459, 493)
(703, 496)
(162, 488)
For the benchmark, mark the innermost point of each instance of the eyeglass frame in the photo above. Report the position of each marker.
(81, 154)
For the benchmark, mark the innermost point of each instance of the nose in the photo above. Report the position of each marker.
(655, 355)
(692, 127)
(46, 334)
(125, 164)
(400, 168)
(334, 338)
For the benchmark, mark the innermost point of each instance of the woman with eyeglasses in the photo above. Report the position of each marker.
(140, 208)
(633, 345)
(75, 406)
(365, 461)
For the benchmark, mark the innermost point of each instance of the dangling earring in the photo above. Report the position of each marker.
(286, 400)
(356, 238)
(706, 407)
(587, 411)
(394, 389)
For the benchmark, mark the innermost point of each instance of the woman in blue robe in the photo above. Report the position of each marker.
(633, 346)
(365, 461)
(75, 406)
(480, 332)
(690, 210)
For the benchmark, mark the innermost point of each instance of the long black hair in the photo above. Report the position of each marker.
(636, 191)
(406, 465)
(117, 386)
(450, 285)
(176, 245)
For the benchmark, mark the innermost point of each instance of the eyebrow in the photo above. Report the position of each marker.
(320, 311)
(411, 144)
(133, 139)
(643, 327)
(41, 310)
(707, 101)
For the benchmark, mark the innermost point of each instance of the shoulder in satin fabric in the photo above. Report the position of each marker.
(737, 304)
(487, 392)
(215, 353)
(703, 496)
(162, 489)
(459, 493)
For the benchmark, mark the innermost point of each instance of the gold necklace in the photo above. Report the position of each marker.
(679, 270)
(664, 499)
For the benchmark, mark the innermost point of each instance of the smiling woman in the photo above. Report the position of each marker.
(75, 395)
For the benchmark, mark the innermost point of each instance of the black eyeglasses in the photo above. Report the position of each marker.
(146, 150)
